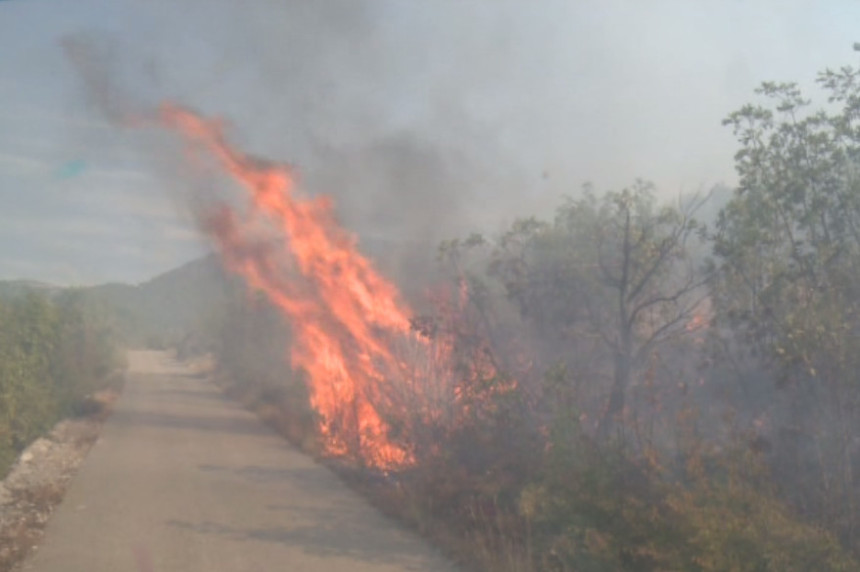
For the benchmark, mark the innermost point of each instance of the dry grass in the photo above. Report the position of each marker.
(487, 545)
(275, 415)
(478, 541)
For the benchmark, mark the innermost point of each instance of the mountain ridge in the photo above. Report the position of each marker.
(159, 311)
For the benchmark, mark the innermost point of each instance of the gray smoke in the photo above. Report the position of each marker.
(398, 131)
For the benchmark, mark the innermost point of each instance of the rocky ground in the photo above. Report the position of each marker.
(35, 485)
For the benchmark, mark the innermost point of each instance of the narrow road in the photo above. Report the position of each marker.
(185, 480)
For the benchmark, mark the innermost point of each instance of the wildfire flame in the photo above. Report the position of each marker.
(345, 316)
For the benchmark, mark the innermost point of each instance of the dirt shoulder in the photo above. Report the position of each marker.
(36, 483)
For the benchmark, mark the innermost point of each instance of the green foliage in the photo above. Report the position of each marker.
(788, 248)
(611, 285)
(789, 242)
(607, 283)
(601, 507)
(736, 450)
(53, 354)
(606, 513)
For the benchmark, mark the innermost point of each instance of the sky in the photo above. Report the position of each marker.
(422, 119)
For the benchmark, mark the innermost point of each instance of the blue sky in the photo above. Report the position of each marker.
(422, 118)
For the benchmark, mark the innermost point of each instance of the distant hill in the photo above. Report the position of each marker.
(12, 288)
(170, 306)
(161, 311)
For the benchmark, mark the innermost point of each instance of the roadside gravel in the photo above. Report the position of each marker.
(37, 481)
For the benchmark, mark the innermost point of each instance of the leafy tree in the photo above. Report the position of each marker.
(788, 248)
(616, 272)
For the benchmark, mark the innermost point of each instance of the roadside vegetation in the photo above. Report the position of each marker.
(56, 351)
(641, 385)
(250, 339)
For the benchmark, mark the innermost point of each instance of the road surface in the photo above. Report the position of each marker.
(183, 479)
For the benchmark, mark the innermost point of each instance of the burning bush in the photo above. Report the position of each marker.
(577, 446)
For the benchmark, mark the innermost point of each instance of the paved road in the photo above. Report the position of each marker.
(185, 480)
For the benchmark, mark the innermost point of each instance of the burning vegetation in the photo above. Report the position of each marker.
(353, 337)
(346, 318)
(619, 388)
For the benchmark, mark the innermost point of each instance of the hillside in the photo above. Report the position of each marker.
(158, 312)
(166, 308)
(13, 288)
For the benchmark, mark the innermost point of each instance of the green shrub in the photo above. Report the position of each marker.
(53, 354)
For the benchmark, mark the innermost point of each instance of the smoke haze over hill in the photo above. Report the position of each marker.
(421, 122)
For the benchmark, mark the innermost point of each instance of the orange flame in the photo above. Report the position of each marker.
(345, 315)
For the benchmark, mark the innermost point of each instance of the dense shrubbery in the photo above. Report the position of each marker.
(663, 395)
(54, 352)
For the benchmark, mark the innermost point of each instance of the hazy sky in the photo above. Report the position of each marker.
(420, 117)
